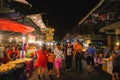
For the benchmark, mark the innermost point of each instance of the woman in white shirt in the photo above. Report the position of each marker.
(58, 59)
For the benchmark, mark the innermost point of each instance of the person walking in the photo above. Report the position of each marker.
(68, 56)
(78, 55)
(50, 63)
(90, 57)
(42, 61)
(58, 59)
(5, 58)
(115, 63)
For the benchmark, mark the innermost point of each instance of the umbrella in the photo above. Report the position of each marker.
(10, 25)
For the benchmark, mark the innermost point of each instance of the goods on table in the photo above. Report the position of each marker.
(18, 61)
(12, 64)
(17, 69)
(7, 67)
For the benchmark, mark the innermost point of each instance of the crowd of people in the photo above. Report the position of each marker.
(49, 58)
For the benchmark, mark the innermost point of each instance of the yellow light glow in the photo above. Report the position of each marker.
(117, 43)
(23, 38)
(30, 41)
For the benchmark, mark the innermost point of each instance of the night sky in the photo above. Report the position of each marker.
(63, 15)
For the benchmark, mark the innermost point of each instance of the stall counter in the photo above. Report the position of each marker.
(107, 65)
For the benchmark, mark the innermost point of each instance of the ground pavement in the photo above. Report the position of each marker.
(75, 75)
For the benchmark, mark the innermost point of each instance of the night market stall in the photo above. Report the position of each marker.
(14, 70)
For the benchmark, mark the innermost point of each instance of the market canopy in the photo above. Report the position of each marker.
(110, 27)
(10, 25)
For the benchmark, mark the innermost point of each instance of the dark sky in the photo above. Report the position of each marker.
(63, 15)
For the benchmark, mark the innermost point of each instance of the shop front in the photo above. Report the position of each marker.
(113, 38)
(113, 33)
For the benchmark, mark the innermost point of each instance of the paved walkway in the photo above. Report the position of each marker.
(75, 75)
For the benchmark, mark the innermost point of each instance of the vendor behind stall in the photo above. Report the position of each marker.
(13, 54)
(5, 58)
(116, 63)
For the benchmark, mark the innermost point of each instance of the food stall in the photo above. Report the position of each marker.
(14, 70)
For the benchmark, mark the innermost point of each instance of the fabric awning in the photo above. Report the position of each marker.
(10, 25)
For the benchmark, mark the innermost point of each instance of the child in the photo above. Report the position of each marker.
(99, 61)
(51, 58)
(59, 57)
(96, 61)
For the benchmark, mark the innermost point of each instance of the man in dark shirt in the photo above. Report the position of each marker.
(68, 56)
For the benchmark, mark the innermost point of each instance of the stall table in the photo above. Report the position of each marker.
(107, 65)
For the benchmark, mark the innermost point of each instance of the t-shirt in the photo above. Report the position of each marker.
(77, 47)
(51, 57)
(91, 51)
(69, 51)
(13, 54)
(59, 54)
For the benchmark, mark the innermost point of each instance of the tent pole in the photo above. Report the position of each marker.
(23, 36)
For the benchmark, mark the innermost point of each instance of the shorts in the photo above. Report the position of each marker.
(50, 65)
(58, 63)
(90, 60)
